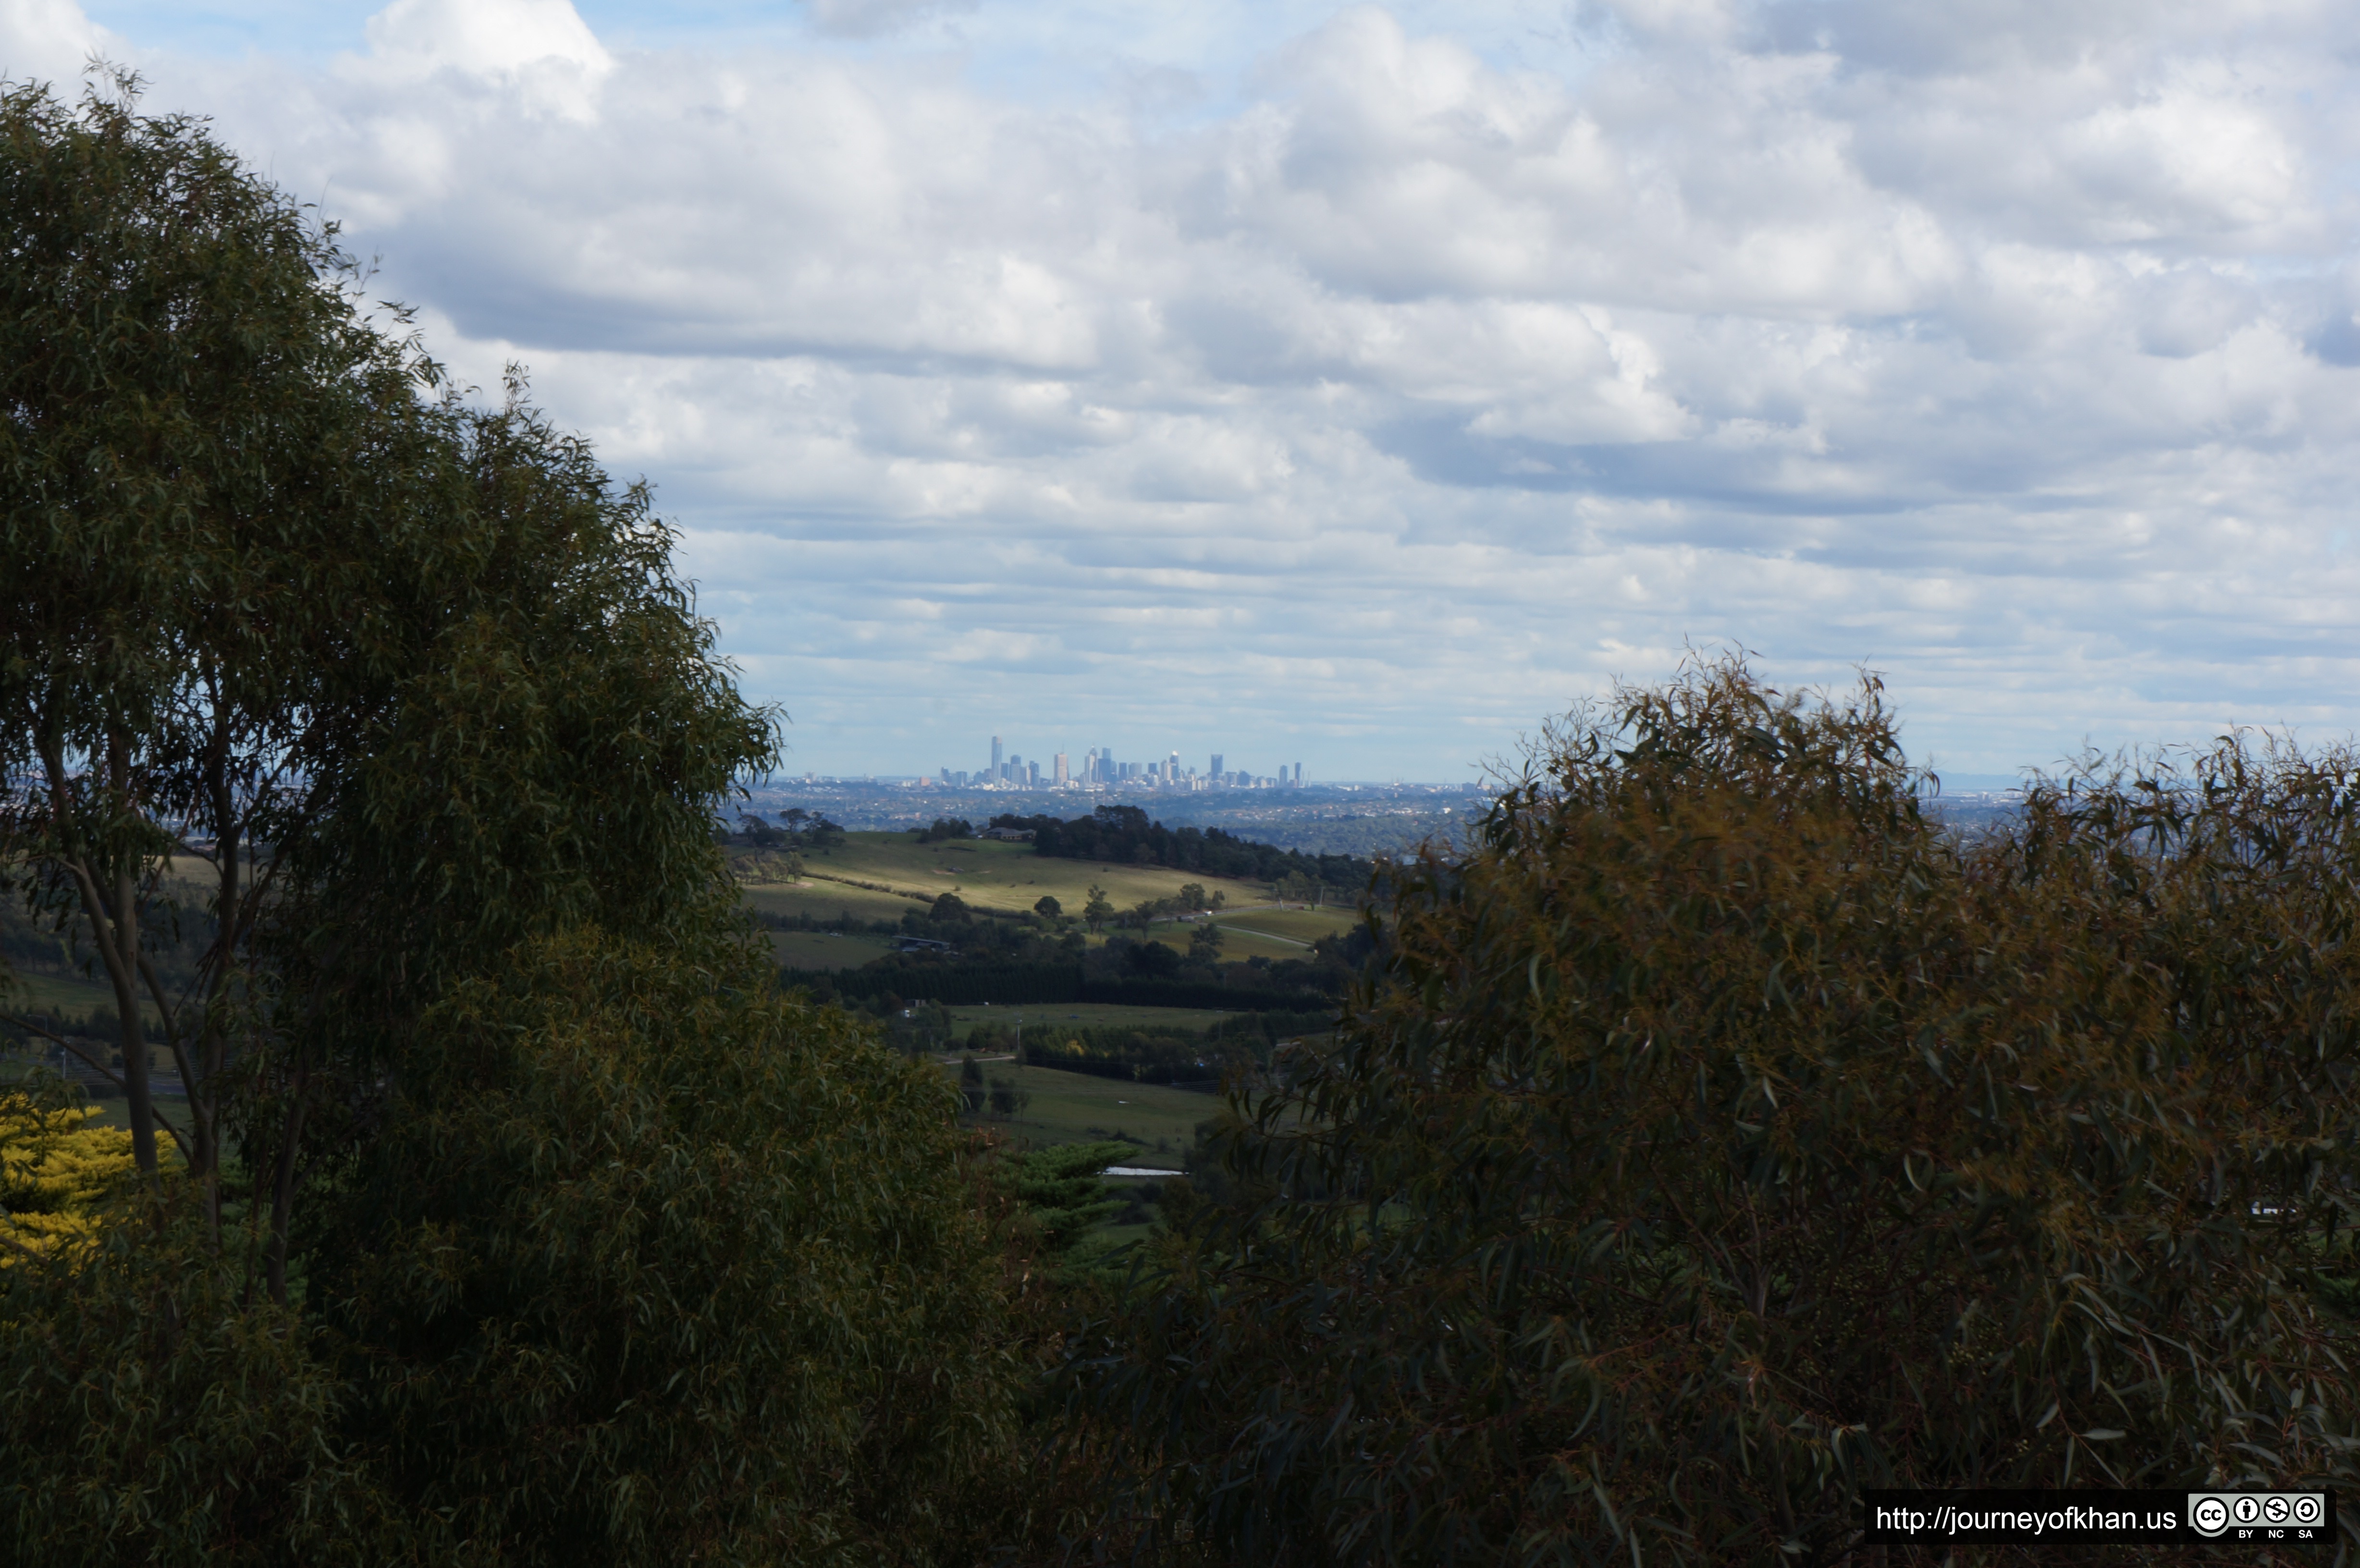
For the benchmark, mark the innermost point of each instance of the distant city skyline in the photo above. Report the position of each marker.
(1417, 765)
(1099, 768)
(1010, 768)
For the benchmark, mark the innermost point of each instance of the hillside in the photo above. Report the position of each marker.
(1010, 879)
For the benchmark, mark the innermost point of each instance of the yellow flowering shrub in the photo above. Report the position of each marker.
(55, 1172)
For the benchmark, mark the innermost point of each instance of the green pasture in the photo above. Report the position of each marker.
(1290, 926)
(115, 1111)
(827, 950)
(826, 900)
(1260, 932)
(37, 991)
(1073, 1107)
(1235, 944)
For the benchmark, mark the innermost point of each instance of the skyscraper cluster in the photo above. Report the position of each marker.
(1100, 770)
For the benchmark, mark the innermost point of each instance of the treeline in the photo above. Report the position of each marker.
(1201, 1058)
(46, 946)
(953, 984)
(30, 1028)
(1123, 835)
(796, 829)
(1019, 959)
(1016, 984)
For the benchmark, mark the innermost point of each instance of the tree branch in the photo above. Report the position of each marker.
(164, 1011)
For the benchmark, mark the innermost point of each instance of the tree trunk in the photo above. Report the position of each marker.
(282, 1191)
(204, 1100)
(210, 1047)
(124, 972)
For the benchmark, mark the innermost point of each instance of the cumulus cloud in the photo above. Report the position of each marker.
(483, 37)
(49, 40)
(1382, 390)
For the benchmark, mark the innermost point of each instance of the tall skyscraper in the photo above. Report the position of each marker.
(1299, 773)
(997, 759)
(1216, 765)
(1061, 780)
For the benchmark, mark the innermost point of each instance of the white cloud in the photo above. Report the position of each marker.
(1401, 384)
(483, 37)
(49, 40)
(537, 55)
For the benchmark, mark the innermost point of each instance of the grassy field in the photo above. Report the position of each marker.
(1073, 1107)
(826, 900)
(989, 875)
(1262, 932)
(1011, 878)
(69, 994)
(825, 949)
(115, 1111)
(1083, 1015)
(1235, 945)
(1296, 927)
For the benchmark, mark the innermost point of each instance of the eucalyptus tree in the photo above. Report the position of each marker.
(411, 678)
(190, 408)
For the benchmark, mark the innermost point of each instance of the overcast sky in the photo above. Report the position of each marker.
(1358, 386)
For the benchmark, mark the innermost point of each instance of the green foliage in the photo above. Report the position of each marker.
(647, 1269)
(1009, 1098)
(1725, 1138)
(150, 1412)
(1064, 1189)
(1160, 1056)
(964, 984)
(655, 1270)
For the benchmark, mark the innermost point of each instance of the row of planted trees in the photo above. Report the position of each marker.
(1716, 1137)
